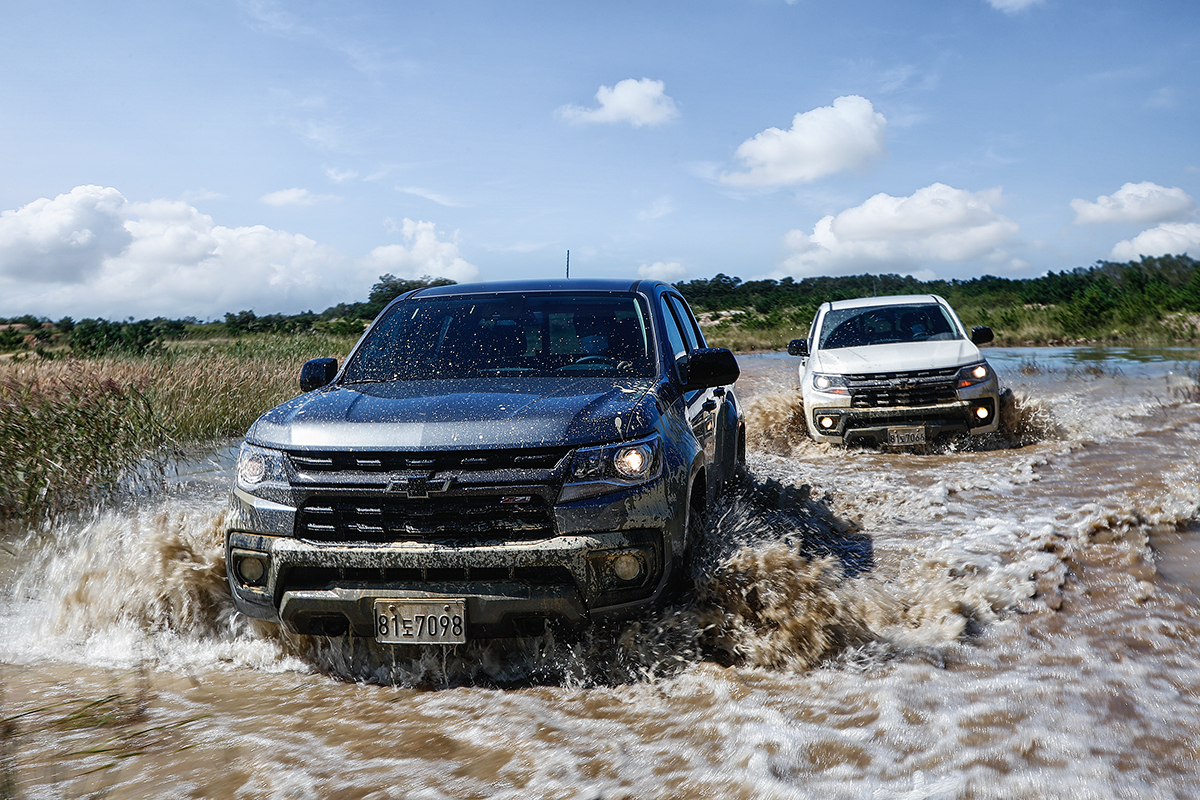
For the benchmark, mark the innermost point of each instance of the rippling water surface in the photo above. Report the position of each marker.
(1017, 620)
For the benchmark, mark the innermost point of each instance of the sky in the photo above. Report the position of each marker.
(197, 158)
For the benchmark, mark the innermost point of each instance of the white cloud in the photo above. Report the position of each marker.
(937, 223)
(637, 102)
(659, 208)
(294, 197)
(440, 199)
(1135, 202)
(340, 175)
(1012, 6)
(63, 239)
(846, 135)
(424, 255)
(667, 271)
(93, 253)
(1170, 238)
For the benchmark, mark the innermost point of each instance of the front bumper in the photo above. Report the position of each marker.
(512, 588)
(834, 419)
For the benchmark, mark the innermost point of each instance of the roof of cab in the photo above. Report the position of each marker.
(889, 300)
(555, 285)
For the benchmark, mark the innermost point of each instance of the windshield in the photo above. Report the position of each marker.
(530, 335)
(855, 327)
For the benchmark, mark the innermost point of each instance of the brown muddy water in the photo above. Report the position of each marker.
(1016, 621)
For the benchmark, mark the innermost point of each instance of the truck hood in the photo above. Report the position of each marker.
(459, 415)
(899, 357)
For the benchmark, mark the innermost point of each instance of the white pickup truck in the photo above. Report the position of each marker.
(895, 371)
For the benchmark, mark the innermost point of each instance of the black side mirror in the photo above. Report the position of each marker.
(982, 334)
(798, 347)
(711, 366)
(317, 373)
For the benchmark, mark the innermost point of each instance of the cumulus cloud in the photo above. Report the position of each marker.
(63, 239)
(424, 254)
(1135, 202)
(639, 103)
(1169, 238)
(294, 197)
(937, 223)
(667, 271)
(1012, 6)
(91, 252)
(846, 135)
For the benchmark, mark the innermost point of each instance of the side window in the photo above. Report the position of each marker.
(691, 330)
(675, 337)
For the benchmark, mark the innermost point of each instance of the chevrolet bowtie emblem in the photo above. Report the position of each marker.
(417, 486)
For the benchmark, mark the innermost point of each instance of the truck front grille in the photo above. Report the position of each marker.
(300, 578)
(902, 389)
(380, 519)
(326, 461)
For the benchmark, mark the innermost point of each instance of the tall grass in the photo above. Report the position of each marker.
(70, 427)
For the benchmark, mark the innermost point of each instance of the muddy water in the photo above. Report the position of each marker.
(1013, 621)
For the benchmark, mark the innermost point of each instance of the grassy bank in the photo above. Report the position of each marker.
(1154, 301)
(69, 427)
(746, 330)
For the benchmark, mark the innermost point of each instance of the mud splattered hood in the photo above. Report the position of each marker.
(460, 414)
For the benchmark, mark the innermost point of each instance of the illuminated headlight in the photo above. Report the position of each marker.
(634, 461)
(974, 374)
(598, 470)
(982, 412)
(258, 466)
(830, 384)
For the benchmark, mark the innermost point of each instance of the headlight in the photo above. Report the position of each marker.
(974, 374)
(259, 466)
(830, 384)
(599, 470)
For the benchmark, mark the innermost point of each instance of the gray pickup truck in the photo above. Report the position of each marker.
(490, 459)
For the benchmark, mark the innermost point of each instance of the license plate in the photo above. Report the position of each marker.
(899, 437)
(421, 621)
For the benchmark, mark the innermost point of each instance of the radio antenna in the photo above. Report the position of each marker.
(568, 265)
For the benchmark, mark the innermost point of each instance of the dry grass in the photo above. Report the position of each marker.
(70, 427)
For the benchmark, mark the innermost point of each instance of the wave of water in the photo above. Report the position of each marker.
(1010, 621)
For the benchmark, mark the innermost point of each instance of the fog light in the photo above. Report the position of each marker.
(828, 422)
(982, 412)
(251, 569)
(627, 566)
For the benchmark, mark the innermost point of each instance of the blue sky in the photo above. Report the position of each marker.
(188, 159)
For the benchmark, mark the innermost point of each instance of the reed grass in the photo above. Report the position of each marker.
(1189, 390)
(69, 428)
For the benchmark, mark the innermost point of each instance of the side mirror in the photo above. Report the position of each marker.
(317, 373)
(981, 334)
(711, 366)
(798, 347)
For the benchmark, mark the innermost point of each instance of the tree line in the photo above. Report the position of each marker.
(1108, 300)
(1086, 302)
